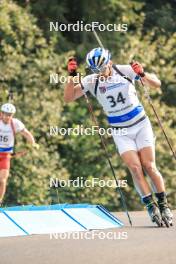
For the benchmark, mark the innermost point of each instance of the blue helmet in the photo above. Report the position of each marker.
(97, 59)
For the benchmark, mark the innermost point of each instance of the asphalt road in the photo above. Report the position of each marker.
(142, 244)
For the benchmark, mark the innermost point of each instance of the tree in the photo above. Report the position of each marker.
(29, 52)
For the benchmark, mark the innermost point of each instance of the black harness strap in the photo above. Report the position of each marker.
(121, 74)
(96, 86)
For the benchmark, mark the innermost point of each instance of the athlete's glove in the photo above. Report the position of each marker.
(72, 66)
(137, 68)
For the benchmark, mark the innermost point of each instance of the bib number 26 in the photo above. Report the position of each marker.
(114, 101)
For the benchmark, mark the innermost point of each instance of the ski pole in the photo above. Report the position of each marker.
(158, 119)
(123, 201)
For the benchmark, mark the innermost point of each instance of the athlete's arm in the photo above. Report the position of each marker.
(147, 78)
(71, 91)
(29, 137)
(151, 80)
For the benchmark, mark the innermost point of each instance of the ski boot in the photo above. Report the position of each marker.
(165, 212)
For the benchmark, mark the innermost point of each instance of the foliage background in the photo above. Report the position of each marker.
(29, 52)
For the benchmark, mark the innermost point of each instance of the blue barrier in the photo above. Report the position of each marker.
(57, 218)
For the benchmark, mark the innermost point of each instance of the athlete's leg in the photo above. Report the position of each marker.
(145, 141)
(146, 147)
(132, 161)
(147, 157)
(128, 151)
(4, 173)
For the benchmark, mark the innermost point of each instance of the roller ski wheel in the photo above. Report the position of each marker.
(156, 219)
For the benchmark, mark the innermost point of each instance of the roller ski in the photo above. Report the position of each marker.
(167, 216)
(154, 214)
(153, 210)
(165, 212)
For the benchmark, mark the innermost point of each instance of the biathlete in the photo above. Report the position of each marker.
(114, 88)
(9, 126)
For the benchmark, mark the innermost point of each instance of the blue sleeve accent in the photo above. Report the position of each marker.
(137, 78)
